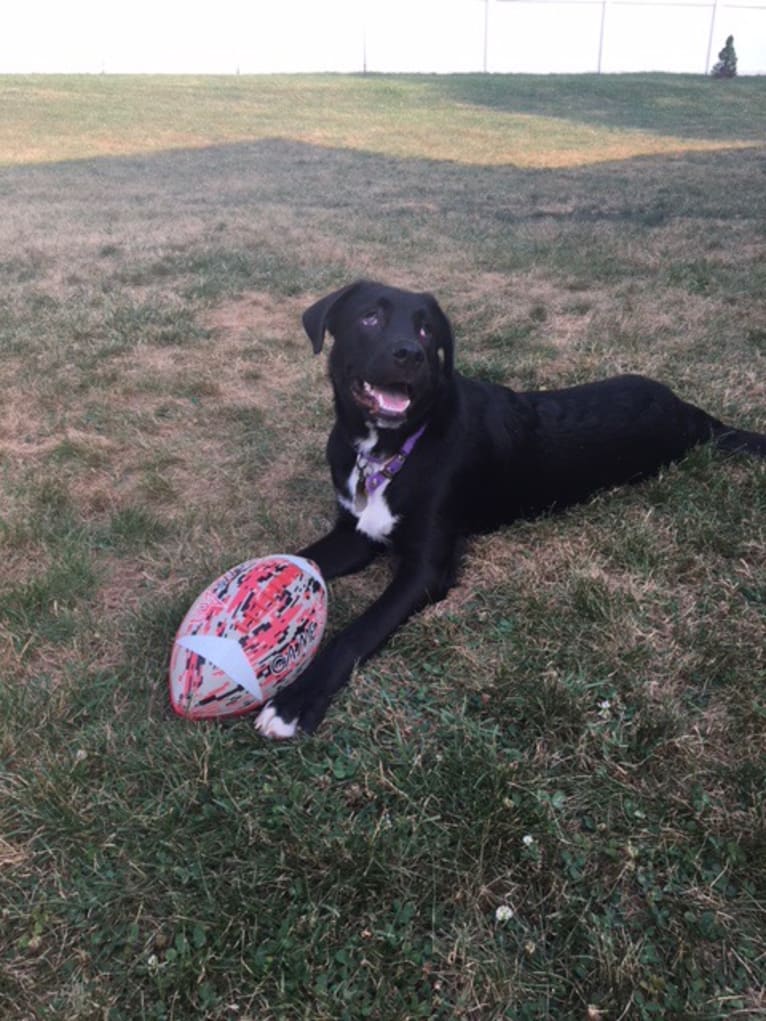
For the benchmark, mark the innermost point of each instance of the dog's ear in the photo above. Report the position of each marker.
(445, 340)
(316, 319)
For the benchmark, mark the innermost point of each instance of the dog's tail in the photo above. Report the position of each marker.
(738, 441)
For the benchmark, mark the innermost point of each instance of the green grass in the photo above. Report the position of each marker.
(477, 119)
(544, 798)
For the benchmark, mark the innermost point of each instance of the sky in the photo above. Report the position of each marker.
(264, 36)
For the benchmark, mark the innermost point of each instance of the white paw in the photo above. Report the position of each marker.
(270, 724)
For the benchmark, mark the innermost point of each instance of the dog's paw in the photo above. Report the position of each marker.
(271, 725)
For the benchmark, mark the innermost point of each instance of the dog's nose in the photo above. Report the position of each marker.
(408, 353)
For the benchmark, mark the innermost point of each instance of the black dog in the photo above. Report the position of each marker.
(422, 457)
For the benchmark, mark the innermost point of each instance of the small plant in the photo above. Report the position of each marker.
(727, 61)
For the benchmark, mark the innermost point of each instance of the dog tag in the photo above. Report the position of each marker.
(360, 494)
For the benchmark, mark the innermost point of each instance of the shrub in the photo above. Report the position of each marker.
(727, 61)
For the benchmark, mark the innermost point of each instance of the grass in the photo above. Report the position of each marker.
(477, 120)
(545, 797)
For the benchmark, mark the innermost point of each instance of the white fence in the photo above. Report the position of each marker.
(263, 36)
(548, 36)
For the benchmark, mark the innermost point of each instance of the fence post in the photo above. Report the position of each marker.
(486, 34)
(706, 69)
(601, 35)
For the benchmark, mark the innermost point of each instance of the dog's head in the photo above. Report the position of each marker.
(393, 351)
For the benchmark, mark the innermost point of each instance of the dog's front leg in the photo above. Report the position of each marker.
(304, 703)
(342, 551)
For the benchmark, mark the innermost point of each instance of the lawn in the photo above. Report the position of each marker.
(545, 797)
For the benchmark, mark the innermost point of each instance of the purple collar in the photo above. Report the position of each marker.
(377, 470)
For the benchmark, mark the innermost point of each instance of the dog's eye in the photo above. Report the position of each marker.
(370, 318)
(425, 332)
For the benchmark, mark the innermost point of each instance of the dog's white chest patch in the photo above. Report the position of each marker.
(374, 519)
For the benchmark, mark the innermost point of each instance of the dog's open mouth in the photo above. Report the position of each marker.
(383, 401)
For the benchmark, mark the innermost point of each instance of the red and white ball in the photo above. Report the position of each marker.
(250, 633)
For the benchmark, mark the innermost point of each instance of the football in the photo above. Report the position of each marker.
(246, 636)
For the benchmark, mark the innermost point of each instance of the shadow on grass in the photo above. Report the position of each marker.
(254, 177)
(666, 104)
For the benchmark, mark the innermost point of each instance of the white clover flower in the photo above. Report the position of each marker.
(527, 840)
(503, 914)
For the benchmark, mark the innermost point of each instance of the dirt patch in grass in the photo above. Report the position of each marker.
(12, 855)
(260, 342)
(168, 409)
(20, 421)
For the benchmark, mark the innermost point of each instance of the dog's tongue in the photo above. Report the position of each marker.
(393, 402)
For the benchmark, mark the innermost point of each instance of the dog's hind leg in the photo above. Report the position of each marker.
(698, 426)
(739, 441)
